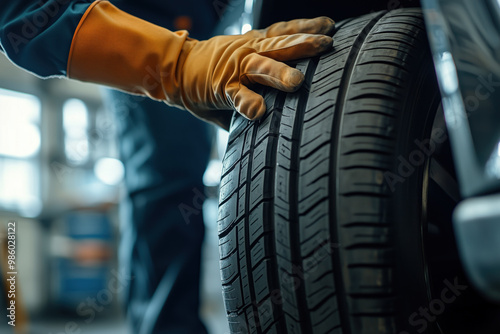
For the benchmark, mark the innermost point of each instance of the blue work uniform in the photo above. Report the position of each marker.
(164, 150)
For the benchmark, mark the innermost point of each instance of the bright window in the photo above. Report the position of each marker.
(19, 124)
(19, 148)
(76, 125)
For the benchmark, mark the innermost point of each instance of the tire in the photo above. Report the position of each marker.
(325, 221)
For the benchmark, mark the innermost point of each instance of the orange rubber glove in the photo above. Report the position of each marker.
(208, 77)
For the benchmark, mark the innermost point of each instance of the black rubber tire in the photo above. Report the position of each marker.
(320, 216)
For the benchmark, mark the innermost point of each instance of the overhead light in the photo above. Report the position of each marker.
(109, 171)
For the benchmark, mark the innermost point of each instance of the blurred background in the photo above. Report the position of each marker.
(61, 182)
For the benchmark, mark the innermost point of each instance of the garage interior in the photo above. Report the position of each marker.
(56, 137)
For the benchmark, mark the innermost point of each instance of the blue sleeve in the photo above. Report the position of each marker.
(37, 34)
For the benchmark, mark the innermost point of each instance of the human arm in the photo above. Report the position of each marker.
(113, 48)
(37, 35)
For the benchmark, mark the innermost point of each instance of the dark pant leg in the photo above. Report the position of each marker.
(165, 152)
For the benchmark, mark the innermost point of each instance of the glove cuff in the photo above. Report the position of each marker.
(116, 49)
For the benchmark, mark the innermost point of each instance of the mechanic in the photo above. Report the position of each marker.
(97, 42)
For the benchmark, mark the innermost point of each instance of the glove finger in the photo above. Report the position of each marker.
(257, 69)
(320, 25)
(247, 102)
(292, 47)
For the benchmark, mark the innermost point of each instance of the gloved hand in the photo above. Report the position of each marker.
(208, 77)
